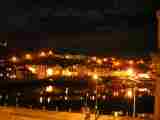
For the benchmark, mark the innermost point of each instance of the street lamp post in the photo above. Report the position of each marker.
(131, 94)
(96, 107)
(95, 77)
(86, 99)
(134, 102)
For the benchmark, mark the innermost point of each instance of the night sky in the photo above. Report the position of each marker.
(113, 27)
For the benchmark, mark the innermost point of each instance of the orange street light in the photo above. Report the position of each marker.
(116, 63)
(28, 56)
(50, 52)
(131, 62)
(42, 54)
(99, 61)
(95, 77)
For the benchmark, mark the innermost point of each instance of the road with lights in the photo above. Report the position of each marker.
(11, 113)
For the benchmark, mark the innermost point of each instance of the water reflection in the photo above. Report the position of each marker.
(66, 99)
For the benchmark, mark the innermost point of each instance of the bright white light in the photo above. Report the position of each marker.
(66, 91)
(49, 72)
(93, 98)
(143, 90)
(41, 100)
(66, 98)
(49, 99)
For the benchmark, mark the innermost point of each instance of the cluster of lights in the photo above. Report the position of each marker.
(29, 56)
(46, 54)
(130, 73)
(116, 63)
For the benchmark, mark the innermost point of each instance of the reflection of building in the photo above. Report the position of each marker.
(156, 61)
(41, 71)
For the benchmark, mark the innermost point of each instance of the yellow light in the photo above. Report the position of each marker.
(28, 56)
(57, 72)
(49, 72)
(130, 71)
(49, 89)
(33, 70)
(116, 63)
(99, 61)
(66, 73)
(95, 76)
(69, 73)
(115, 114)
(129, 93)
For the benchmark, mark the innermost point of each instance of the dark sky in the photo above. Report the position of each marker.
(118, 25)
(117, 41)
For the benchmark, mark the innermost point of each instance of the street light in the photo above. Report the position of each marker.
(32, 69)
(134, 101)
(95, 77)
(87, 98)
(50, 53)
(131, 94)
(49, 89)
(28, 56)
(42, 54)
(14, 59)
(49, 72)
